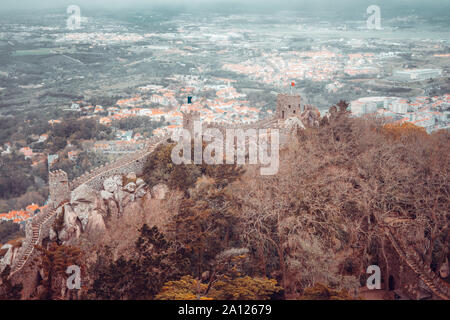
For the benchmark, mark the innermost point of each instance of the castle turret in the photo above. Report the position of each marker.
(288, 106)
(58, 187)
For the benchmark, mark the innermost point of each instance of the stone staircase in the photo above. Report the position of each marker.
(428, 277)
(36, 225)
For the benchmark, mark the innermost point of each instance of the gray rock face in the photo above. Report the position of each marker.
(131, 187)
(141, 191)
(83, 202)
(71, 229)
(53, 235)
(77, 214)
(88, 207)
(83, 194)
(310, 117)
(96, 224)
(106, 195)
(10, 256)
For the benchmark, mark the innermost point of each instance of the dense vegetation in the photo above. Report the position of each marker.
(320, 219)
(9, 231)
(18, 127)
(142, 125)
(308, 232)
(72, 130)
(21, 183)
(8, 290)
(15, 175)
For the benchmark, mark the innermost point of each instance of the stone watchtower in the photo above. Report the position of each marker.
(59, 187)
(188, 121)
(288, 106)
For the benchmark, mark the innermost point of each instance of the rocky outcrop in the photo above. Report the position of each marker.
(88, 209)
(130, 163)
(43, 225)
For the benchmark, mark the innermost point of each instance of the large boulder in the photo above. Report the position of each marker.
(6, 256)
(9, 252)
(80, 215)
(83, 202)
(83, 193)
(131, 176)
(141, 191)
(130, 187)
(96, 224)
(87, 209)
(105, 195)
(71, 228)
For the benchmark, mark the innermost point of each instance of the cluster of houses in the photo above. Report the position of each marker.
(21, 216)
(165, 104)
(36, 157)
(279, 68)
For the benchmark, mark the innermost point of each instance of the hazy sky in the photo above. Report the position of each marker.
(438, 7)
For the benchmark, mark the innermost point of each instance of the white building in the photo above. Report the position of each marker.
(367, 105)
(397, 105)
(417, 74)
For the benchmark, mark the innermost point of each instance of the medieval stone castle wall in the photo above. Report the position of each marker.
(287, 106)
(58, 187)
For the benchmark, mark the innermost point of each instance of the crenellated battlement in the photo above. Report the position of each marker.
(129, 163)
(58, 174)
(288, 106)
